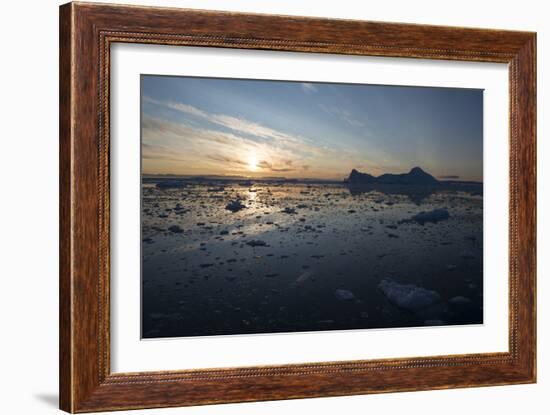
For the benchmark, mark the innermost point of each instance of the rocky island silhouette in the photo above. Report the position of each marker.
(416, 176)
(416, 184)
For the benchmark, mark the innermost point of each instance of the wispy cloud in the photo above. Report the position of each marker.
(266, 165)
(309, 88)
(236, 124)
(342, 114)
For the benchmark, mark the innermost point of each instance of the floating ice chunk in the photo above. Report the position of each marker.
(235, 206)
(408, 296)
(460, 300)
(215, 189)
(175, 229)
(256, 242)
(344, 295)
(288, 210)
(302, 278)
(432, 216)
(171, 184)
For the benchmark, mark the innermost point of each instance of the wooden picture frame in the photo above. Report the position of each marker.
(86, 33)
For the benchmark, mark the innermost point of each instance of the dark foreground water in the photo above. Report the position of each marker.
(333, 260)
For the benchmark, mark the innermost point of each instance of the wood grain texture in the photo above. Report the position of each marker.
(65, 246)
(86, 33)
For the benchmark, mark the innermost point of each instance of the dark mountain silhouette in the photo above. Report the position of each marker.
(416, 177)
(416, 184)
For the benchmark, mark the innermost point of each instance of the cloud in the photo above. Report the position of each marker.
(225, 144)
(230, 122)
(265, 165)
(342, 114)
(178, 146)
(225, 159)
(309, 88)
(242, 126)
(288, 162)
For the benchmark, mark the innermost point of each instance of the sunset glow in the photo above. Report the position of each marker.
(229, 127)
(252, 162)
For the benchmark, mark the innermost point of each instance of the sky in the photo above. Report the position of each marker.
(259, 128)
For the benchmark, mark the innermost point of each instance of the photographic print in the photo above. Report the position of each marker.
(283, 206)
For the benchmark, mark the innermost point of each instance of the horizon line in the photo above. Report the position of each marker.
(244, 177)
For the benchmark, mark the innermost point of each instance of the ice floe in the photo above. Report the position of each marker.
(344, 295)
(235, 206)
(432, 216)
(408, 296)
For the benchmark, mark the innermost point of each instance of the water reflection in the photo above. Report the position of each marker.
(303, 257)
(416, 194)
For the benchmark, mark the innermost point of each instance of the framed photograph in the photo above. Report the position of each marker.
(260, 207)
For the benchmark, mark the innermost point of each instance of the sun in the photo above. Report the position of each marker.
(252, 162)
